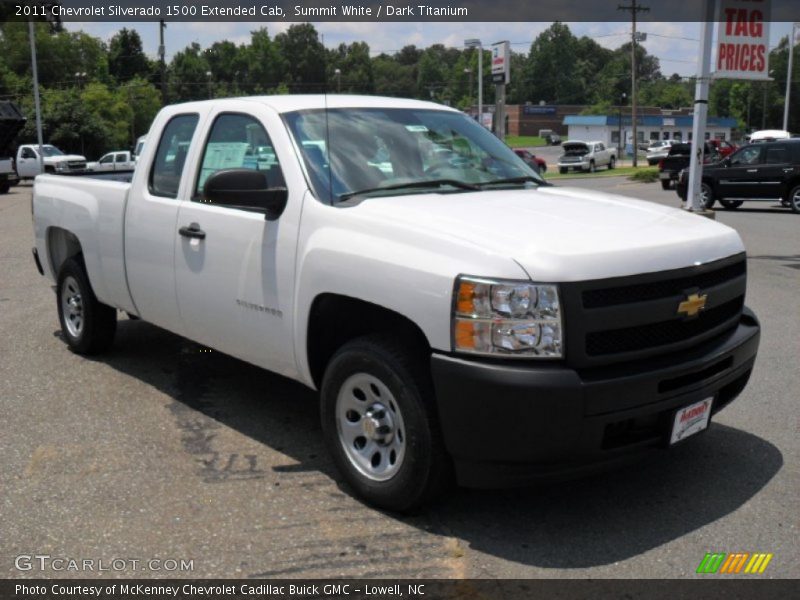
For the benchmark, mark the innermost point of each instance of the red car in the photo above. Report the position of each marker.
(724, 148)
(534, 161)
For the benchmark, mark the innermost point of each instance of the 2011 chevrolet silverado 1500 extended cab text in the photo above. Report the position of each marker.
(457, 314)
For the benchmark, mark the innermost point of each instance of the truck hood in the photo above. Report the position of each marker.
(560, 233)
(51, 160)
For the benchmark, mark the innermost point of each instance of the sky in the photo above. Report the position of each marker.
(675, 44)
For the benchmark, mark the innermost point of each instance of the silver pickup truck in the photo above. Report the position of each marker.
(586, 156)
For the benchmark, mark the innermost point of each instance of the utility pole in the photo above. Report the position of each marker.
(161, 55)
(634, 9)
(37, 103)
(476, 43)
(789, 78)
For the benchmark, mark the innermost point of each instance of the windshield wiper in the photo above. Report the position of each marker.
(512, 180)
(463, 185)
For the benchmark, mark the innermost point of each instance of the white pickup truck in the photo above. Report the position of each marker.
(54, 160)
(586, 156)
(458, 315)
(121, 160)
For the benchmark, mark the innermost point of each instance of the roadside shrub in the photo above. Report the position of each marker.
(645, 176)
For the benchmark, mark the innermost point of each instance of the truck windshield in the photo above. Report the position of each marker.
(389, 152)
(48, 150)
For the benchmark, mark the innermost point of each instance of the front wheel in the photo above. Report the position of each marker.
(88, 326)
(592, 167)
(563, 170)
(731, 204)
(794, 199)
(612, 163)
(380, 424)
(707, 196)
(666, 184)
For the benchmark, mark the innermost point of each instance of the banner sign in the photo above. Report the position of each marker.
(743, 39)
(501, 62)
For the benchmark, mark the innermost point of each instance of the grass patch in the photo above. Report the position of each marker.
(524, 141)
(552, 173)
(645, 175)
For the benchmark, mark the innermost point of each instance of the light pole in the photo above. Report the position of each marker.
(209, 75)
(476, 43)
(468, 72)
(620, 141)
(789, 78)
(338, 73)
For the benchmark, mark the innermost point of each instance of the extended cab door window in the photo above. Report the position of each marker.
(238, 141)
(167, 169)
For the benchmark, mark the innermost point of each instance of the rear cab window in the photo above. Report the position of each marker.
(170, 159)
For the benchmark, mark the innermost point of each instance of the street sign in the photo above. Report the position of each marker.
(501, 62)
(743, 39)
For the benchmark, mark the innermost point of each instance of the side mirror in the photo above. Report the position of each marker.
(245, 189)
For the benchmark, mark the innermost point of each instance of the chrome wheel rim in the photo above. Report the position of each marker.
(796, 199)
(72, 306)
(370, 427)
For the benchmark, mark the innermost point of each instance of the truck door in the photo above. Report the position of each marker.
(776, 171)
(27, 162)
(151, 224)
(234, 269)
(741, 179)
(106, 163)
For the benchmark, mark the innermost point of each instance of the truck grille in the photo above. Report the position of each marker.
(77, 165)
(628, 318)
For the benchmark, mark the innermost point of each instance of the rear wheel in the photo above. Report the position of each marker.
(666, 184)
(794, 199)
(5, 186)
(731, 204)
(88, 325)
(380, 423)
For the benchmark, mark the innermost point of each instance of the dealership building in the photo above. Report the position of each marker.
(649, 128)
(652, 123)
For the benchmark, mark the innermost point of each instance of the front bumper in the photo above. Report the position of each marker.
(583, 165)
(510, 424)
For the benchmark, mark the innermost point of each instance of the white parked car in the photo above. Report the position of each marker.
(113, 161)
(768, 135)
(55, 161)
(658, 150)
(586, 156)
(458, 315)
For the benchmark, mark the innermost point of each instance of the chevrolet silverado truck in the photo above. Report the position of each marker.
(586, 156)
(54, 160)
(460, 318)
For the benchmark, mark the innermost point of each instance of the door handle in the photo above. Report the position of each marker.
(789, 170)
(192, 231)
(752, 170)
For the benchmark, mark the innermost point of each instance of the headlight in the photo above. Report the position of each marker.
(61, 166)
(509, 318)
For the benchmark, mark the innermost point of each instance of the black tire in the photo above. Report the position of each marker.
(731, 204)
(425, 469)
(543, 169)
(708, 194)
(794, 199)
(612, 163)
(92, 332)
(563, 170)
(5, 186)
(666, 184)
(50, 170)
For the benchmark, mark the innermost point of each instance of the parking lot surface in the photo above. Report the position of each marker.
(165, 450)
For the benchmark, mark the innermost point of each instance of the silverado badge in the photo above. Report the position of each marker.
(693, 304)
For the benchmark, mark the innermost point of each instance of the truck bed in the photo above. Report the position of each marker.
(93, 209)
(122, 176)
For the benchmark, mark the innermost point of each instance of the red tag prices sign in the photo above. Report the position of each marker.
(743, 39)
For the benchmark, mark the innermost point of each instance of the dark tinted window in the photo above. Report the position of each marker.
(776, 155)
(165, 176)
(749, 155)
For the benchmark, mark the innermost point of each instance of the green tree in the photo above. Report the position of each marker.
(305, 58)
(188, 76)
(126, 59)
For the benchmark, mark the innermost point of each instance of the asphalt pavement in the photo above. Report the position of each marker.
(164, 450)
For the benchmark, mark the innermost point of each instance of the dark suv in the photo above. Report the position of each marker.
(769, 171)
